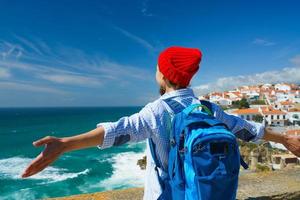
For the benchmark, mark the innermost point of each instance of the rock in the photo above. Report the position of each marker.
(142, 162)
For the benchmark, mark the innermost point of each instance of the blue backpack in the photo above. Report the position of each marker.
(204, 158)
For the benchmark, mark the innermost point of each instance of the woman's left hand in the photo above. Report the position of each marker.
(292, 143)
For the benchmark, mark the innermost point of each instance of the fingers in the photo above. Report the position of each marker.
(293, 145)
(43, 141)
(30, 170)
(37, 165)
(45, 158)
(35, 169)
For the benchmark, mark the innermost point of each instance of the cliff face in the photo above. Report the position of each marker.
(284, 184)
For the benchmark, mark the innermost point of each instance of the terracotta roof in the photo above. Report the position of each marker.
(247, 111)
(294, 90)
(293, 132)
(294, 110)
(273, 112)
(216, 94)
(236, 93)
(267, 107)
(265, 90)
(286, 103)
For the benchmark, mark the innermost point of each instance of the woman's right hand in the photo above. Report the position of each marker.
(54, 147)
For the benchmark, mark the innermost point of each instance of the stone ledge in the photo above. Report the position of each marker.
(284, 184)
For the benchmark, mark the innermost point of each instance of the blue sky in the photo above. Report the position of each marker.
(104, 53)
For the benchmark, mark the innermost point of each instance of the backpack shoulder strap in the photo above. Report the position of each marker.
(207, 104)
(243, 163)
(175, 107)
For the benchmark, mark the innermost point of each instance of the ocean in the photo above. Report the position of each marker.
(77, 172)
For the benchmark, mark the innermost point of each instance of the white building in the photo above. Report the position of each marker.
(247, 113)
(233, 95)
(282, 96)
(215, 96)
(293, 116)
(284, 105)
(282, 86)
(252, 95)
(224, 102)
(273, 117)
(266, 86)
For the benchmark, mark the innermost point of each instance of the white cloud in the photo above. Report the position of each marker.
(64, 65)
(71, 79)
(24, 86)
(4, 73)
(289, 75)
(9, 50)
(136, 39)
(114, 70)
(27, 43)
(263, 42)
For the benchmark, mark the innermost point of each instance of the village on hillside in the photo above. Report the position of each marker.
(274, 105)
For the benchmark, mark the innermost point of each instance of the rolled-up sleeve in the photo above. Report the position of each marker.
(134, 128)
(243, 129)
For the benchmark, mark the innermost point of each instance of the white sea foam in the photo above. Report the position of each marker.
(14, 166)
(27, 194)
(126, 171)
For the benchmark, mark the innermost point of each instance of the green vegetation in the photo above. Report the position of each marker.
(258, 102)
(262, 168)
(224, 107)
(243, 103)
(249, 145)
(258, 118)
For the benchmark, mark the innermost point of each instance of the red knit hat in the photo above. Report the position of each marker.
(179, 64)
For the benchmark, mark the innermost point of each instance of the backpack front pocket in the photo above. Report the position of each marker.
(216, 168)
(208, 156)
(216, 187)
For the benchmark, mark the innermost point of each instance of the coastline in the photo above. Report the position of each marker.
(281, 184)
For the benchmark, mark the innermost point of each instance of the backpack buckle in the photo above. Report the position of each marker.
(173, 143)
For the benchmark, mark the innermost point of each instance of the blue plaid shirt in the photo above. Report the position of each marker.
(154, 121)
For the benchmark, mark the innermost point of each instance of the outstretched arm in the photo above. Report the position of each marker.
(54, 147)
(134, 128)
(251, 131)
(291, 142)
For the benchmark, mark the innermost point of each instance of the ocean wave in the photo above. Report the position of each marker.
(126, 172)
(27, 194)
(14, 166)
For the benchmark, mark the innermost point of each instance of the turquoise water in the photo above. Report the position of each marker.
(82, 171)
